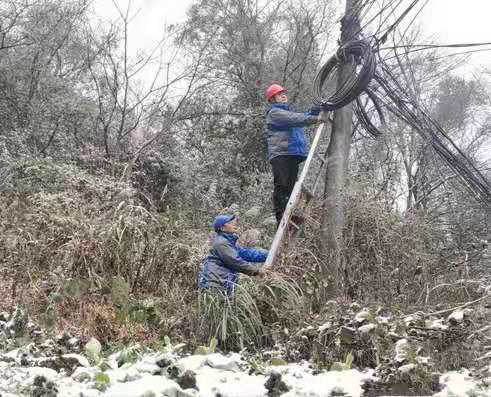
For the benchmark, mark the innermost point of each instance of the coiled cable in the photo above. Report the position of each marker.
(357, 53)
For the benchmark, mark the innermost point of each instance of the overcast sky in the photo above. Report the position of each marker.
(446, 21)
(443, 21)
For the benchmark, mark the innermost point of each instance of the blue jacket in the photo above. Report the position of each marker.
(284, 130)
(226, 260)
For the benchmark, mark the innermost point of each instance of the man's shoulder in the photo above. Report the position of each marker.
(221, 241)
(276, 110)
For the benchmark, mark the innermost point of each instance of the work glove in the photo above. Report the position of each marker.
(315, 110)
(327, 106)
(323, 117)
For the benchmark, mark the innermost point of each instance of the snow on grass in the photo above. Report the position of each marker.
(460, 384)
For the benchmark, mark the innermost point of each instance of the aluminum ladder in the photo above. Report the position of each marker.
(299, 190)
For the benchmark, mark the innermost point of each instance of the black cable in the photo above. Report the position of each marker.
(380, 13)
(421, 47)
(363, 116)
(398, 21)
(356, 53)
(360, 55)
(406, 109)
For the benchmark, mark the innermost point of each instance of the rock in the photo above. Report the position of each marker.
(407, 368)
(146, 386)
(362, 316)
(6, 359)
(187, 380)
(325, 326)
(456, 317)
(423, 360)
(367, 329)
(164, 361)
(147, 367)
(436, 324)
(41, 387)
(68, 341)
(62, 338)
(459, 384)
(401, 350)
(253, 212)
(416, 319)
(67, 362)
(4, 316)
(219, 361)
(275, 385)
(82, 374)
(81, 359)
(74, 344)
(190, 363)
(347, 335)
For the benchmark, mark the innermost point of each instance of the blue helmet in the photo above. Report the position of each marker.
(221, 220)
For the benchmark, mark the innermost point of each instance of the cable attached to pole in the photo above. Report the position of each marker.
(359, 54)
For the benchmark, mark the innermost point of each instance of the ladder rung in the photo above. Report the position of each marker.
(294, 225)
(292, 202)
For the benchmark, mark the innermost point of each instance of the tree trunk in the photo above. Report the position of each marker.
(337, 169)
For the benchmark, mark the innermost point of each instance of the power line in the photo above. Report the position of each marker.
(428, 46)
(394, 97)
(423, 47)
(380, 13)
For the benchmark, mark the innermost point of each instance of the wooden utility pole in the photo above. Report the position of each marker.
(337, 167)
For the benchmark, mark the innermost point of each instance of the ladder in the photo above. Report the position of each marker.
(299, 189)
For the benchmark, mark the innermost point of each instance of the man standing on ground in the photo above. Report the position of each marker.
(287, 145)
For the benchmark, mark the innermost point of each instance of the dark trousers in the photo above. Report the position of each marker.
(285, 171)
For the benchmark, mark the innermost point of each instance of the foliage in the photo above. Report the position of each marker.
(107, 198)
(242, 321)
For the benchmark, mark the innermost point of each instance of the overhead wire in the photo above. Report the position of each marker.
(389, 94)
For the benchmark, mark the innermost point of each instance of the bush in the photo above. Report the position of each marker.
(249, 318)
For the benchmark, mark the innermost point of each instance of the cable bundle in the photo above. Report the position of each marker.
(356, 53)
(408, 110)
(361, 56)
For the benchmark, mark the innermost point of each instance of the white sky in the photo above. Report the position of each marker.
(446, 21)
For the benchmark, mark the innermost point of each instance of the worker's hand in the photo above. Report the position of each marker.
(327, 106)
(315, 110)
(323, 117)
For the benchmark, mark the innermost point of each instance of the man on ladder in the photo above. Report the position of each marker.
(287, 145)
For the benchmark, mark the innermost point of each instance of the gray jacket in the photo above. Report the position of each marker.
(226, 260)
(284, 131)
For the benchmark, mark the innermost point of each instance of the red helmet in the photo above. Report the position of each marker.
(274, 89)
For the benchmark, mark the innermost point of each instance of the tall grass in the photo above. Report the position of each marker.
(247, 318)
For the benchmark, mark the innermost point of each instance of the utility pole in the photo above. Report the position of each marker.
(333, 218)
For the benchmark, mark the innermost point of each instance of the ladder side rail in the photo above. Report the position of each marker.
(324, 160)
(292, 202)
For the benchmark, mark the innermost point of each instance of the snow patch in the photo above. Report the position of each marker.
(460, 384)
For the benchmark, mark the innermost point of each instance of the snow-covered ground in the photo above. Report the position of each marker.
(64, 367)
(212, 375)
